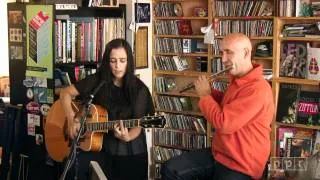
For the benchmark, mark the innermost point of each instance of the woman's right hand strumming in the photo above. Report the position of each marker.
(73, 125)
(67, 94)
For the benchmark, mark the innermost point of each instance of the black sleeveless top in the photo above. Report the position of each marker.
(119, 109)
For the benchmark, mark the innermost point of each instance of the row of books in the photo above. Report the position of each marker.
(297, 142)
(299, 60)
(298, 106)
(193, 46)
(289, 8)
(183, 122)
(315, 7)
(299, 8)
(183, 140)
(171, 63)
(201, 64)
(243, 8)
(168, 45)
(173, 103)
(267, 74)
(248, 27)
(161, 154)
(217, 65)
(302, 30)
(84, 38)
(103, 3)
(70, 74)
(165, 84)
(173, 27)
(165, 9)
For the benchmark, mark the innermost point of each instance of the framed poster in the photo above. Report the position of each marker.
(142, 12)
(141, 48)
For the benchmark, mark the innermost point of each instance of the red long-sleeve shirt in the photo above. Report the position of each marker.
(242, 123)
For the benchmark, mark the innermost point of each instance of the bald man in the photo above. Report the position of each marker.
(241, 117)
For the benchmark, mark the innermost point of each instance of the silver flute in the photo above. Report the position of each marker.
(210, 78)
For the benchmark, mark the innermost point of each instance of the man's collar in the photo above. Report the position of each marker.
(255, 73)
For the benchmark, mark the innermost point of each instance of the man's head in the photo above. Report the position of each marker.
(236, 52)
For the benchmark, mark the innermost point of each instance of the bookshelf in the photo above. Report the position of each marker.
(179, 57)
(284, 38)
(81, 37)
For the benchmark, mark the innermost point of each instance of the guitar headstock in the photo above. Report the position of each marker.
(156, 121)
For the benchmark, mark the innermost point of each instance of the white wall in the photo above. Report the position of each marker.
(4, 59)
(146, 73)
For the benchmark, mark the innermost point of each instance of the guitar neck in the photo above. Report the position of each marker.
(105, 126)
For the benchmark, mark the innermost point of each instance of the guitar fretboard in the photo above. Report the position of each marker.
(104, 126)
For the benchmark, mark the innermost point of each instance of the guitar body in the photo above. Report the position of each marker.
(57, 139)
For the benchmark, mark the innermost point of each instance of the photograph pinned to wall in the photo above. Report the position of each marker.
(39, 139)
(16, 52)
(141, 48)
(4, 86)
(15, 34)
(142, 12)
(15, 18)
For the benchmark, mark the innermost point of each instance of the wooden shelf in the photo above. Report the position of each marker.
(262, 58)
(180, 18)
(299, 39)
(297, 81)
(77, 63)
(251, 37)
(184, 131)
(179, 36)
(176, 147)
(182, 54)
(299, 18)
(298, 125)
(244, 17)
(154, 1)
(180, 112)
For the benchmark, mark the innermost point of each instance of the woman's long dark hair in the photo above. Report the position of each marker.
(129, 79)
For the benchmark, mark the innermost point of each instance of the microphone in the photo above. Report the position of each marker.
(94, 92)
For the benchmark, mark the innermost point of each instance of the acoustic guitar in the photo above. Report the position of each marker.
(57, 139)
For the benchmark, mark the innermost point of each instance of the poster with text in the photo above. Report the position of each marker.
(39, 41)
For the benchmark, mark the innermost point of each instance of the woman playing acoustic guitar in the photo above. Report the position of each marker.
(124, 96)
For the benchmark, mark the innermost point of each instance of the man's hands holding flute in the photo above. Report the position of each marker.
(202, 86)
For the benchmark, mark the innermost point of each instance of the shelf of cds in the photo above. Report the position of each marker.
(179, 57)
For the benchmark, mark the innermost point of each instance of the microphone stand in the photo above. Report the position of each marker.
(75, 142)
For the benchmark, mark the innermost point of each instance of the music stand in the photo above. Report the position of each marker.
(96, 172)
